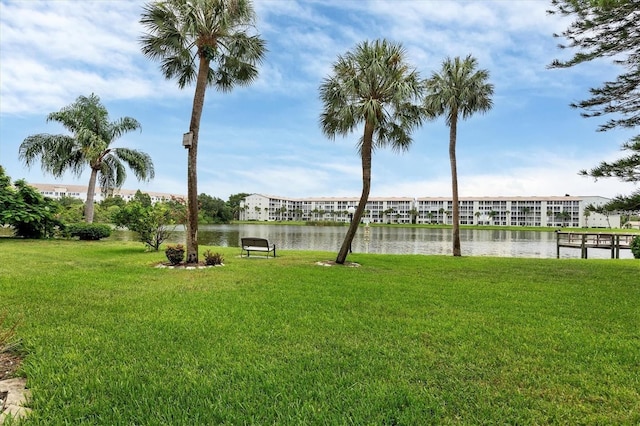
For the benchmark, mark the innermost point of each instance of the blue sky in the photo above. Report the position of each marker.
(265, 138)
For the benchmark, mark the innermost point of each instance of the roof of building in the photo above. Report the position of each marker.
(82, 189)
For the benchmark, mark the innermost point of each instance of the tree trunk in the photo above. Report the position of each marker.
(192, 162)
(364, 197)
(91, 191)
(453, 131)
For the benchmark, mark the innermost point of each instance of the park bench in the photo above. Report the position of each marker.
(257, 244)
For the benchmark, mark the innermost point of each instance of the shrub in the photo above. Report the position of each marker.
(89, 231)
(153, 223)
(213, 259)
(25, 210)
(175, 253)
(635, 246)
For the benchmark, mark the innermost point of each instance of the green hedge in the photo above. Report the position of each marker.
(89, 231)
(635, 246)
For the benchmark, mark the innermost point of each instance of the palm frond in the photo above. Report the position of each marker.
(139, 162)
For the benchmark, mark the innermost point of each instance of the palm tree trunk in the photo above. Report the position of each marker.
(91, 191)
(192, 162)
(364, 197)
(453, 133)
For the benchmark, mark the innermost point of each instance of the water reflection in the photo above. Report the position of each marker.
(475, 242)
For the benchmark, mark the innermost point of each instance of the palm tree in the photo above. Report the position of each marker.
(206, 42)
(549, 214)
(477, 215)
(414, 215)
(492, 216)
(374, 87)
(90, 144)
(447, 214)
(458, 90)
(526, 211)
(430, 217)
(586, 215)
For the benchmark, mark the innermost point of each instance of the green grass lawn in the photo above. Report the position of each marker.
(403, 339)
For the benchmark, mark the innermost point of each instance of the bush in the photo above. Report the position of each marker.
(25, 210)
(213, 259)
(635, 246)
(153, 223)
(89, 231)
(175, 253)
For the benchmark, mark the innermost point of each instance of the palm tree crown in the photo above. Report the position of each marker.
(374, 87)
(457, 90)
(182, 32)
(90, 144)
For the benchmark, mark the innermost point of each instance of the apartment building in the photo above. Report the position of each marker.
(566, 211)
(57, 191)
(563, 211)
(272, 208)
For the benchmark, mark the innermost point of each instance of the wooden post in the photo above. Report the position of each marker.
(557, 245)
(583, 247)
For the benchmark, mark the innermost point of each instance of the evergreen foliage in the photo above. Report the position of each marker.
(153, 223)
(213, 210)
(89, 231)
(25, 210)
(608, 29)
(635, 247)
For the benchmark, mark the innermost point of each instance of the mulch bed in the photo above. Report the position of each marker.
(9, 363)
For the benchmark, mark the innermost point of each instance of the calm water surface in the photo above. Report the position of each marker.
(391, 240)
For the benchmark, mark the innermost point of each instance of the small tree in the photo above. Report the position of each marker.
(153, 224)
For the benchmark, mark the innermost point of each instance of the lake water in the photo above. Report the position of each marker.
(389, 239)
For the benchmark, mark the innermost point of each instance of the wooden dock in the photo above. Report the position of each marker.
(586, 240)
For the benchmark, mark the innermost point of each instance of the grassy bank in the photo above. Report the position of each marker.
(403, 339)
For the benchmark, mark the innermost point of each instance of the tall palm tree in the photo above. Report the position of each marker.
(89, 145)
(458, 90)
(374, 87)
(206, 42)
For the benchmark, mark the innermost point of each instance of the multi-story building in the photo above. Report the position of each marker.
(564, 211)
(57, 191)
(378, 210)
(567, 211)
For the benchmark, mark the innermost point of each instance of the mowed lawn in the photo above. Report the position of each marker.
(403, 339)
